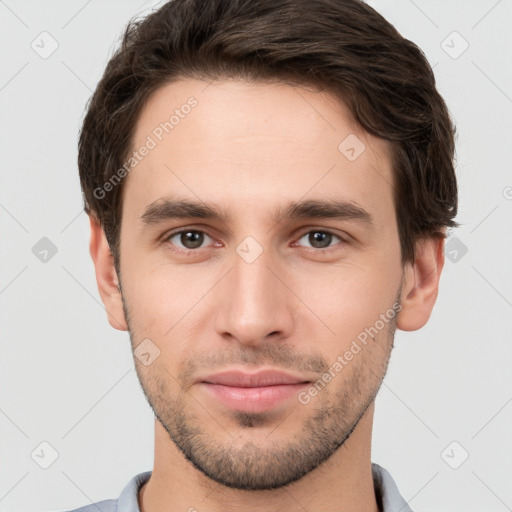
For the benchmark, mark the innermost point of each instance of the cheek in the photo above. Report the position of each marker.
(351, 299)
(166, 301)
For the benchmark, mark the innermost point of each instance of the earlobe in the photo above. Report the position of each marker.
(421, 284)
(106, 276)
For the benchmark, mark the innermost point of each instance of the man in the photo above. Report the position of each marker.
(269, 185)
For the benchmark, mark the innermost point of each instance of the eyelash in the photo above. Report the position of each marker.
(186, 251)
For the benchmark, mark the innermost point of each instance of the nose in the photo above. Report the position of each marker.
(255, 304)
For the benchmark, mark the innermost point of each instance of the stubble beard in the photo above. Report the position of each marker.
(279, 463)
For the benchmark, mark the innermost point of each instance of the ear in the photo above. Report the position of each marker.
(421, 284)
(106, 276)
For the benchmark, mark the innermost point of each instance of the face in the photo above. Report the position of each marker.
(271, 302)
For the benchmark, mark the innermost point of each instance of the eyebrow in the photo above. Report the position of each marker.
(168, 208)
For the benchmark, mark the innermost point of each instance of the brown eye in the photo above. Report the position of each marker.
(189, 239)
(320, 239)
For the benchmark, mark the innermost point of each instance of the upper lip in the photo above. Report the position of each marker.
(237, 378)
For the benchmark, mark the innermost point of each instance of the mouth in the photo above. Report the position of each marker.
(252, 392)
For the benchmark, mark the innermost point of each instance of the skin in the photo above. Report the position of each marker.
(249, 148)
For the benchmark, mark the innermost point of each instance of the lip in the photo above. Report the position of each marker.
(252, 392)
(262, 378)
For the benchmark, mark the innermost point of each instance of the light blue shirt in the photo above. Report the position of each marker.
(386, 491)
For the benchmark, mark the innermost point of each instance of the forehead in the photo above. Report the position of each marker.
(245, 144)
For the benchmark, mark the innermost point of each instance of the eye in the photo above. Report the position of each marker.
(320, 239)
(189, 239)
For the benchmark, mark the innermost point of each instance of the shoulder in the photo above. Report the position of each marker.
(104, 506)
(386, 491)
(127, 501)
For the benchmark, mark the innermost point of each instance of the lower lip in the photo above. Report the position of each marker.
(253, 399)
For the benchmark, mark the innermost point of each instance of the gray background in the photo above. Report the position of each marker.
(68, 379)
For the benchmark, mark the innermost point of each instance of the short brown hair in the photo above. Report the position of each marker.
(342, 46)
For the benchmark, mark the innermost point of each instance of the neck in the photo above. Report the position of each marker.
(343, 483)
